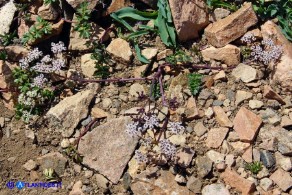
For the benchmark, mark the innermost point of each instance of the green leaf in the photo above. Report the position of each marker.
(139, 54)
(129, 12)
(126, 24)
(137, 34)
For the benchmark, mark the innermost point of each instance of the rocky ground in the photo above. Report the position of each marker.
(241, 115)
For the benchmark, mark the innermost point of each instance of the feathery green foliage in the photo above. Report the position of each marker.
(83, 25)
(38, 30)
(194, 82)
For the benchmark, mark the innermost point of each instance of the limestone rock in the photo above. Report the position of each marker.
(221, 117)
(200, 129)
(77, 189)
(116, 5)
(282, 71)
(255, 104)
(6, 14)
(219, 13)
(120, 49)
(215, 189)
(98, 113)
(269, 93)
(82, 44)
(241, 96)
(70, 111)
(229, 54)
(149, 53)
(48, 12)
(246, 124)
(135, 89)
(54, 160)
(245, 73)
(185, 156)
(226, 30)
(282, 179)
(76, 3)
(189, 17)
(108, 148)
(164, 184)
(216, 137)
(87, 65)
(15, 52)
(30, 165)
(234, 180)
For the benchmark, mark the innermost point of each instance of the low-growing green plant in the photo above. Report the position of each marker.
(281, 9)
(212, 4)
(33, 81)
(101, 58)
(245, 52)
(38, 30)
(83, 26)
(7, 38)
(71, 151)
(194, 82)
(254, 167)
(50, 175)
(3, 55)
(178, 57)
(46, 2)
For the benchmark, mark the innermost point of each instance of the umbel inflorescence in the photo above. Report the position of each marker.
(33, 79)
(154, 132)
(266, 51)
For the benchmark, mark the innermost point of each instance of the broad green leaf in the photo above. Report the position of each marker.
(129, 12)
(139, 54)
(122, 21)
(137, 34)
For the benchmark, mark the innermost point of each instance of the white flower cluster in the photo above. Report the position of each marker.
(29, 98)
(175, 127)
(167, 148)
(46, 64)
(140, 157)
(248, 38)
(133, 129)
(33, 55)
(26, 116)
(269, 53)
(39, 81)
(150, 122)
(58, 47)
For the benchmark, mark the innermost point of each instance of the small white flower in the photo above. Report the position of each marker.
(150, 122)
(175, 127)
(58, 47)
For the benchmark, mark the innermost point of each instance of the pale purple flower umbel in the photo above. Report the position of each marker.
(46, 59)
(133, 129)
(58, 47)
(167, 148)
(39, 81)
(23, 63)
(58, 64)
(140, 157)
(175, 127)
(150, 122)
(42, 67)
(248, 38)
(34, 55)
(269, 53)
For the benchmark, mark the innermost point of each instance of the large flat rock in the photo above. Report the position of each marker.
(108, 148)
(226, 30)
(189, 17)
